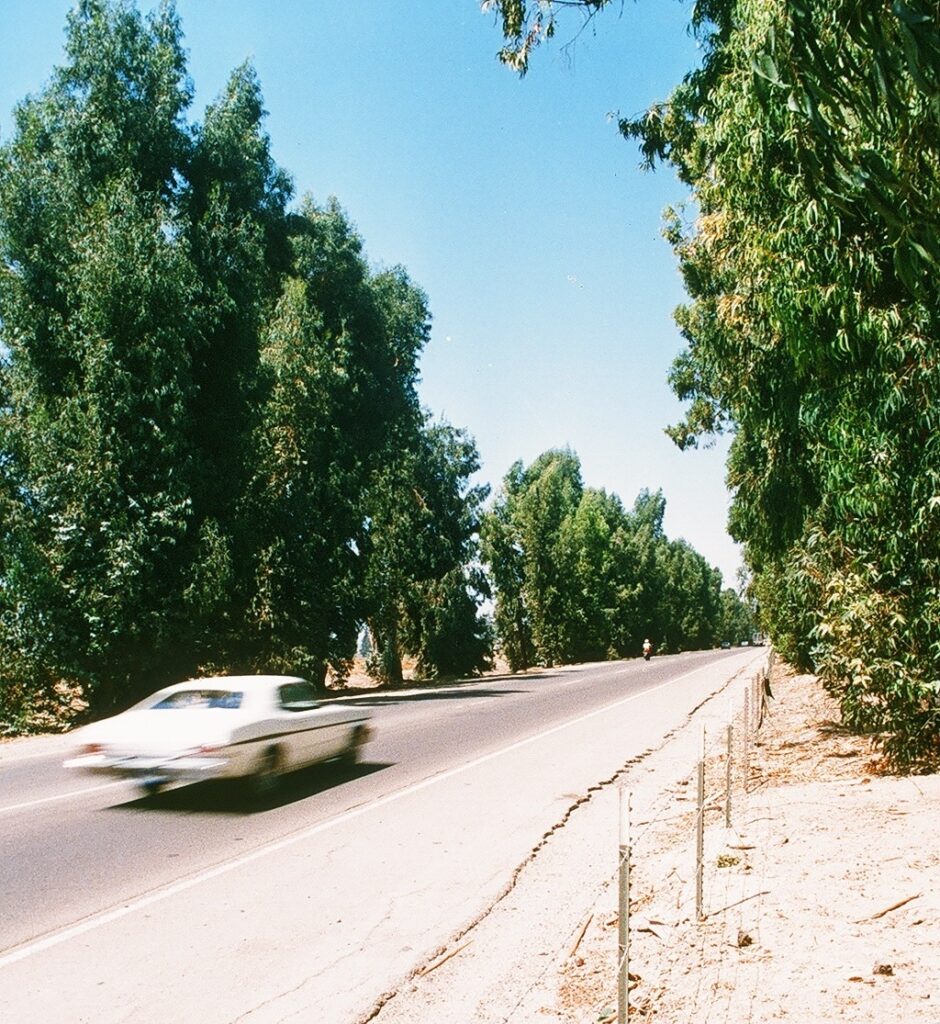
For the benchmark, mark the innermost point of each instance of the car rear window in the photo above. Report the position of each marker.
(200, 699)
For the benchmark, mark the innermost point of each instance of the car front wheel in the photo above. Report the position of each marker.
(263, 781)
(357, 741)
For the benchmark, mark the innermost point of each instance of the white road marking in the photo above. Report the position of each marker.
(61, 796)
(142, 902)
(9, 754)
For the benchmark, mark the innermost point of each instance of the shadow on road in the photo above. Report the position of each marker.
(386, 697)
(231, 796)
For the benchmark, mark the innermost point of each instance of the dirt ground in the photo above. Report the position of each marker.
(821, 903)
(831, 880)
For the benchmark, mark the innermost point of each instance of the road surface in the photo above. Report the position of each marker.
(190, 906)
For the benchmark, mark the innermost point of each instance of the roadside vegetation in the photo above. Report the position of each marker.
(580, 577)
(810, 139)
(213, 456)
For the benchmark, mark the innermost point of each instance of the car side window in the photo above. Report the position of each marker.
(299, 696)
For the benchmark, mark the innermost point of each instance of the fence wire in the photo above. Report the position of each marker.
(638, 834)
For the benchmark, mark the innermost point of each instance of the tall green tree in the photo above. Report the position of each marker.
(444, 628)
(811, 139)
(810, 136)
(649, 538)
(577, 576)
(691, 616)
(339, 372)
(536, 610)
(597, 547)
(234, 211)
(736, 618)
(423, 586)
(502, 550)
(96, 307)
(198, 385)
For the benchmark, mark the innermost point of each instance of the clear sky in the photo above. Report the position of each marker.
(514, 204)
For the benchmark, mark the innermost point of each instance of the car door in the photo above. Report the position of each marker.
(307, 725)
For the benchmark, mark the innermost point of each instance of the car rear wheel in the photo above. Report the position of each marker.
(263, 781)
(356, 742)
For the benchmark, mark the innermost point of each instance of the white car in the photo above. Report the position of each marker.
(250, 727)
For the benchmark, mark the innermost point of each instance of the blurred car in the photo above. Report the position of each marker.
(725, 645)
(254, 728)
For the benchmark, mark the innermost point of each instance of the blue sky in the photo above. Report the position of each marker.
(514, 204)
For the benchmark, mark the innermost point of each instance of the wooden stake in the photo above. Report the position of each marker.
(700, 827)
(623, 973)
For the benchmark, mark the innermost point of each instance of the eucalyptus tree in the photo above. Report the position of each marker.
(736, 621)
(597, 548)
(97, 314)
(532, 561)
(810, 136)
(423, 585)
(692, 606)
(577, 576)
(502, 551)
(199, 388)
(142, 256)
(536, 607)
(235, 231)
(444, 628)
(339, 370)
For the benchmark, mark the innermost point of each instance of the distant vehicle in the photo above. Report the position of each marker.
(647, 650)
(725, 644)
(254, 728)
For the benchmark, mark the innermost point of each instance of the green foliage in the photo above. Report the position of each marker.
(96, 307)
(535, 609)
(525, 23)
(443, 626)
(735, 617)
(422, 589)
(337, 379)
(810, 138)
(210, 439)
(578, 577)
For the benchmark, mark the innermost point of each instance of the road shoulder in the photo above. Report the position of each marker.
(799, 895)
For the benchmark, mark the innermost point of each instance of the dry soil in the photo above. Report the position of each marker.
(821, 903)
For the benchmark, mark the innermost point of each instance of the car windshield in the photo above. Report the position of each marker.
(200, 699)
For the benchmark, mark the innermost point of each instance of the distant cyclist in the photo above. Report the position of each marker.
(647, 649)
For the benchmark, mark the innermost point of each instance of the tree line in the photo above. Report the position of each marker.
(579, 577)
(213, 456)
(809, 137)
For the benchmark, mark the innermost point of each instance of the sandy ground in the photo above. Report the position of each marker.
(821, 903)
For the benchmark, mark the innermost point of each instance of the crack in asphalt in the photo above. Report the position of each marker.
(546, 837)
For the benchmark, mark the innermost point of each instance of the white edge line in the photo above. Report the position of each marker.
(62, 796)
(11, 756)
(142, 902)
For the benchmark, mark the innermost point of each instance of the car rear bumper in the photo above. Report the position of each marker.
(152, 771)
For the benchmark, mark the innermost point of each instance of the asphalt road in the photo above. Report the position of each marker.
(191, 905)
